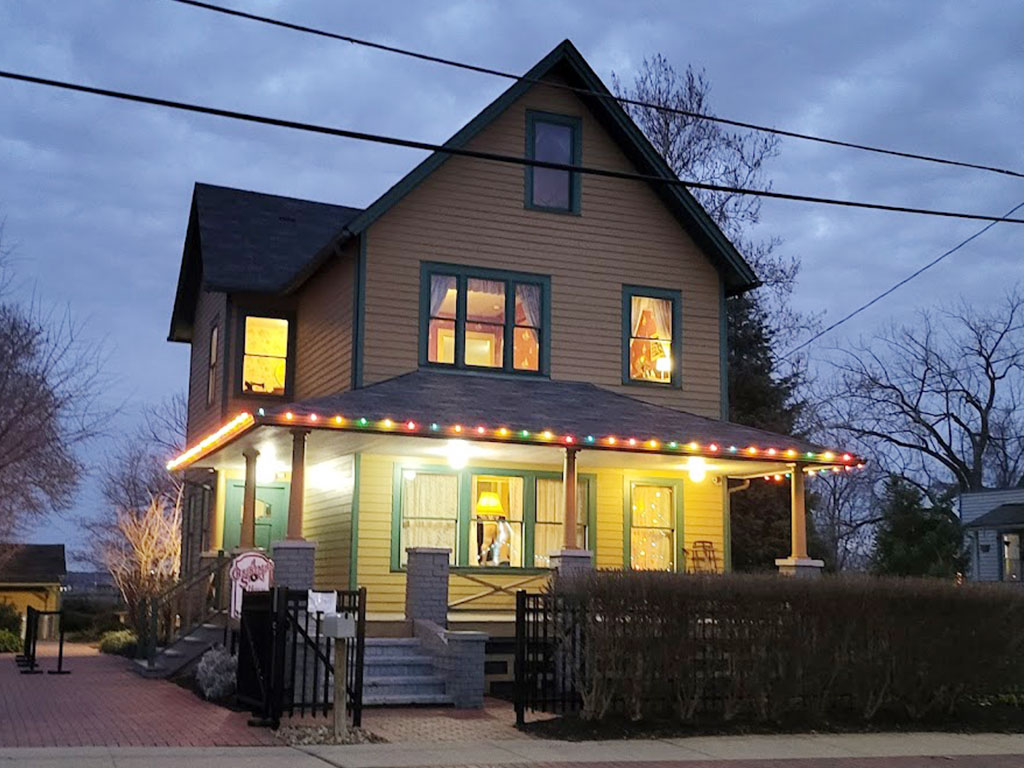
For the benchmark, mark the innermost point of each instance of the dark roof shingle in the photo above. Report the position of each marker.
(32, 563)
(1004, 516)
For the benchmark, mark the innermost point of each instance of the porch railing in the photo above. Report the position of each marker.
(491, 588)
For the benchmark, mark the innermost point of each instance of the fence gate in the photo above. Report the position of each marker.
(286, 664)
(549, 655)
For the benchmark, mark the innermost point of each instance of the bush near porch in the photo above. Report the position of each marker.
(769, 649)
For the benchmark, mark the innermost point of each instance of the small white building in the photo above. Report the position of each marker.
(993, 528)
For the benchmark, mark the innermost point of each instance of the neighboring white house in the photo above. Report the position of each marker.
(993, 529)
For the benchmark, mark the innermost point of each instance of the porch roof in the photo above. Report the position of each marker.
(1004, 516)
(529, 411)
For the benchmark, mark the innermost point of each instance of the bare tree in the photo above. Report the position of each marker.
(845, 513)
(941, 402)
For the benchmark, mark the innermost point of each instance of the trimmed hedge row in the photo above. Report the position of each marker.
(660, 646)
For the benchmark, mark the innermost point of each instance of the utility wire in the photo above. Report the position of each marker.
(904, 281)
(479, 155)
(596, 94)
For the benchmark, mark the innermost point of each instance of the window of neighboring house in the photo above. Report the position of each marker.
(652, 527)
(651, 336)
(549, 533)
(554, 139)
(265, 355)
(429, 512)
(484, 319)
(211, 373)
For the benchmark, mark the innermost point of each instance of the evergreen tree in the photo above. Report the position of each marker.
(917, 538)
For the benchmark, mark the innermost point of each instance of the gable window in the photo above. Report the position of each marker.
(484, 319)
(265, 344)
(214, 360)
(650, 336)
(554, 139)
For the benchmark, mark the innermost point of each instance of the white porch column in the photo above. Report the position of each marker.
(297, 488)
(798, 563)
(247, 537)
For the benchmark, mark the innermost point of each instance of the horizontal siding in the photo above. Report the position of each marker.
(327, 520)
(211, 309)
(471, 213)
(985, 565)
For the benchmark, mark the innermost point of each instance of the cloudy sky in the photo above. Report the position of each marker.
(94, 194)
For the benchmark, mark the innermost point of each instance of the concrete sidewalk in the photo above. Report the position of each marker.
(902, 750)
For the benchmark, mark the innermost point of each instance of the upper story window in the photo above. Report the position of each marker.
(265, 350)
(555, 139)
(484, 319)
(214, 358)
(651, 324)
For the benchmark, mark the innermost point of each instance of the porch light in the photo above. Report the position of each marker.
(697, 468)
(458, 454)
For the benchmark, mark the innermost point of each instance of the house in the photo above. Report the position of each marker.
(993, 524)
(33, 575)
(93, 587)
(518, 367)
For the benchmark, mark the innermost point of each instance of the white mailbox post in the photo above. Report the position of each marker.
(341, 627)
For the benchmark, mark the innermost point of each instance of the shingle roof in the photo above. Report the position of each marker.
(1005, 516)
(32, 563)
(252, 241)
(564, 407)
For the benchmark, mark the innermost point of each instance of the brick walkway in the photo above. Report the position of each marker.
(104, 703)
(496, 721)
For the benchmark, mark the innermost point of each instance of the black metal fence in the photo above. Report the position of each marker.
(549, 662)
(286, 664)
(27, 659)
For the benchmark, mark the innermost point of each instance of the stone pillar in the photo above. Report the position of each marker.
(570, 562)
(247, 537)
(465, 679)
(798, 563)
(294, 563)
(297, 488)
(569, 495)
(426, 584)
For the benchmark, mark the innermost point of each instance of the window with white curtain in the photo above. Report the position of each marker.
(652, 534)
(650, 335)
(549, 533)
(429, 512)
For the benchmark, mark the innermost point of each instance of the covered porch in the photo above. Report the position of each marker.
(512, 477)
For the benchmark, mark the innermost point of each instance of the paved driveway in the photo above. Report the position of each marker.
(104, 703)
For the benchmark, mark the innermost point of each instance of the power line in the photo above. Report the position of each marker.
(904, 281)
(587, 92)
(490, 156)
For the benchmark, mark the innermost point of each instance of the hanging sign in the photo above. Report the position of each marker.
(249, 572)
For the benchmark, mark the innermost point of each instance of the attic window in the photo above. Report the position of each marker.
(553, 139)
(265, 355)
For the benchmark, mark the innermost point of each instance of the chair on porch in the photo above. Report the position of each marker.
(703, 558)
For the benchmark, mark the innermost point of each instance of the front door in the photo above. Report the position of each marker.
(1011, 556)
(271, 513)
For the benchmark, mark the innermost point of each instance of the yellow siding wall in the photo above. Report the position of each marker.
(702, 519)
(327, 520)
(471, 213)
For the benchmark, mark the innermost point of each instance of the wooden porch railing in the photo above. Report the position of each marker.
(492, 588)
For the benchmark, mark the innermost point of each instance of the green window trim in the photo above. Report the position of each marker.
(575, 181)
(465, 479)
(627, 518)
(676, 297)
(462, 275)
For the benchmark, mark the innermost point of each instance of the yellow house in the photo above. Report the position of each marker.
(516, 364)
(32, 575)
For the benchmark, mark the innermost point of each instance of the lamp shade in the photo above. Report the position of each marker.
(488, 503)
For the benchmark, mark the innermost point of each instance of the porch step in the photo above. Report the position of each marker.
(377, 647)
(400, 700)
(183, 652)
(392, 666)
(397, 671)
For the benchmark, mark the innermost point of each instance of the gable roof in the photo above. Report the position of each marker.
(32, 564)
(1003, 516)
(566, 61)
(248, 241)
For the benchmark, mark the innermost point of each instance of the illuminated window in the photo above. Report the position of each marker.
(650, 336)
(554, 139)
(429, 512)
(484, 319)
(265, 356)
(497, 521)
(211, 372)
(549, 533)
(652, 534)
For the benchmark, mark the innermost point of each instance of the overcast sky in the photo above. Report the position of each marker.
(95, 194)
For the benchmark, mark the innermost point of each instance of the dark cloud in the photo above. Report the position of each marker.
(95, 193)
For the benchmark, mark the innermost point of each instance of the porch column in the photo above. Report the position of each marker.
(569, 494)
(297, 490)
(247, 537)
(798, 563)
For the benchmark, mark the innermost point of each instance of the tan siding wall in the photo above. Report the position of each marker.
(702, 519)
(202, 418)
(327, 520)
(471, 212)
(324, 345)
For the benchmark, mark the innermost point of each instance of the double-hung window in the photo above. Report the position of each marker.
(214, 360)
(266, 343)
(651, 324)
(651, 526)
(553, 139)
(484, 319)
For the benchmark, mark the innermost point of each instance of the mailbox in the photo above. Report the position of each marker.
(340, 625)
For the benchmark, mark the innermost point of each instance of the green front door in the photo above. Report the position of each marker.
(271, 513)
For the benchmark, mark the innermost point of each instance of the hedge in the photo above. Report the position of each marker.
(119, 642)
(660, 646)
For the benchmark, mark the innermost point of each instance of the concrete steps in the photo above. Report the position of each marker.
(396, 671)
(182, 653)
